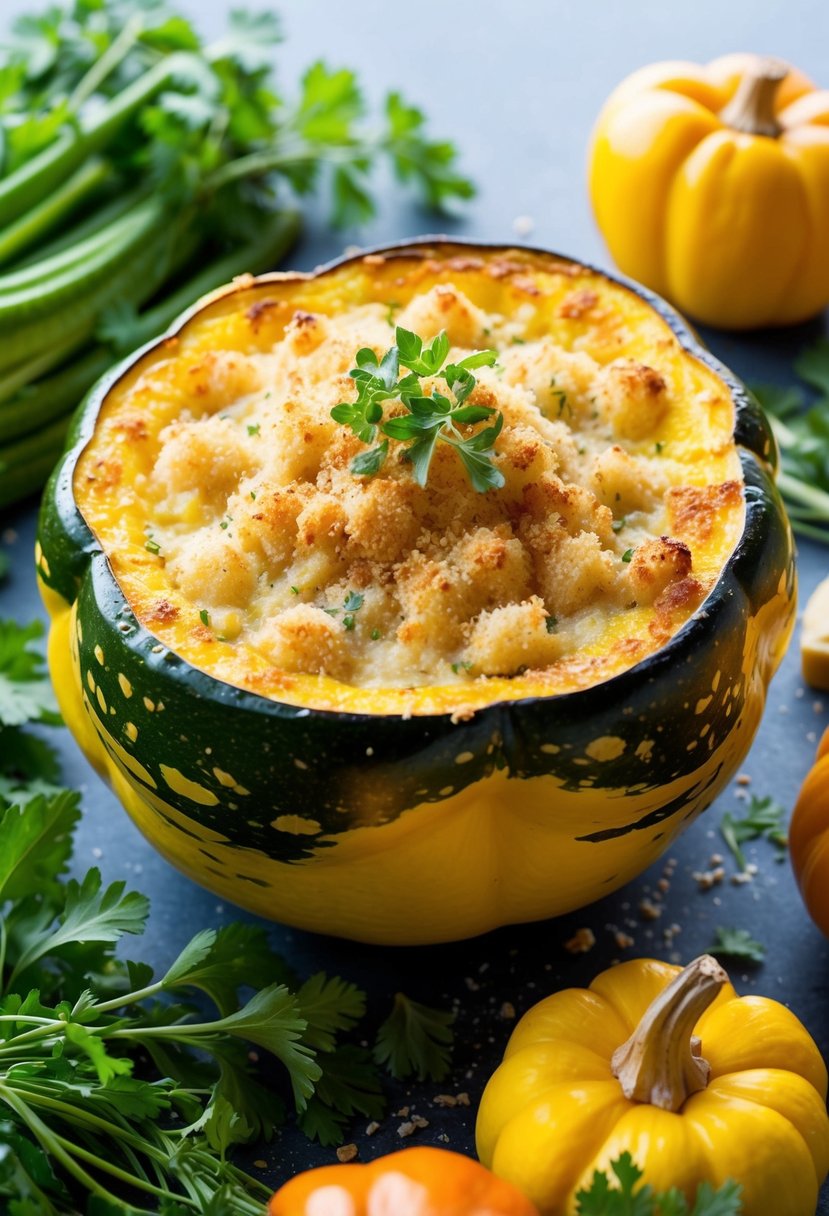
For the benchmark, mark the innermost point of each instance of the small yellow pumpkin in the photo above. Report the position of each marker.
(592, 1073)
(809, 838)
(710, 184)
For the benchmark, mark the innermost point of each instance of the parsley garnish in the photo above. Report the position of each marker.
(253, 428)
(462, 666)
(763, 817)
(659, 447)
(118, 1091)
(415, 1040)
(618, 524)
(738, 944)
(550, 623)
(628, 554)
(352, 604)
(375, 635)
(204, 616)
(429, 420)
(623, 1197)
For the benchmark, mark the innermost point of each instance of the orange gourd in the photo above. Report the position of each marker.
(414, 1182)
(809, 838)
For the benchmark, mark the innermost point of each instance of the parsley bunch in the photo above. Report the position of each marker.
(623, 1197)
(129, 1088)
(140, 167)
(428, 420)
(802, 434)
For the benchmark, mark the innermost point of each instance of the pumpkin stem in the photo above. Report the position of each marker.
(661, 1062)
(751, 109)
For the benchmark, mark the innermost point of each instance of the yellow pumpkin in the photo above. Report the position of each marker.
(710, 184)
(809, 838)
(592, 1073)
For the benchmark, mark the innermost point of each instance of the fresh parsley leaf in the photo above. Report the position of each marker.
(430, 418)
(329, 1006)
(220, 962)
(25, 692)
(90, 914)
(738, 944)
(37, 846)
(348, 1086)
(622, 1196)
(415, 1040)
(367, 464)
(763, 817)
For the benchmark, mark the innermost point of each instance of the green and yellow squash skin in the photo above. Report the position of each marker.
(429, 826)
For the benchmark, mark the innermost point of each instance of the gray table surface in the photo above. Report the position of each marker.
(517, 85)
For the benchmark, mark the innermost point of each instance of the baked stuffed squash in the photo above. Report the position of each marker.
(430, 592)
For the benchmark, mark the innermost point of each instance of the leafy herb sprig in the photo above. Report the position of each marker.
(621, 1196)
(428, 420)
(763, 817)
(737, 944)
(803, 438)
(142, 166)
(131, 1088)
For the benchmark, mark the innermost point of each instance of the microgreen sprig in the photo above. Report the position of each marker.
(429, 419)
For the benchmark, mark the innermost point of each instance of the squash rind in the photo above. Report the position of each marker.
(338, 774)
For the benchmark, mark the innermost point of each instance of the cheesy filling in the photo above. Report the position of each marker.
(221, 489)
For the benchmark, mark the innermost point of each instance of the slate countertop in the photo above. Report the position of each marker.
(517, 85)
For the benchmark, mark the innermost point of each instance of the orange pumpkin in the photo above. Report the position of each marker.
(809, 838)
(414, 1182)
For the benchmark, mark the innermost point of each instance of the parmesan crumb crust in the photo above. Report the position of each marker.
(604, 538)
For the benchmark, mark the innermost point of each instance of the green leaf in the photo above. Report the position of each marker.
(37, 845)
(737, 944)
(90, 915)
(329, 1005)
(220, 962)
(107, 1067)
(349, 1086)
(723, 1202)
(367, 464)
(420, 454)
(763, 817)
(415, 1040)
(25, 692)
(273, 1019)
(329, 104)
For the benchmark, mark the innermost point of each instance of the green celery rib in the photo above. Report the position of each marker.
(30, 278)
(27, 373)
(38, 177)
(34, 224)
(26, 463)
(33, 300)
(53, 396)
(278, 234)
(33, 455)
(90, 225)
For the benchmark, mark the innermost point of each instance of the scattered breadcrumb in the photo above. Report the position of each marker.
(507, 1010)
(372, 1127)
(346, 1152)
(581, 941)
(259, 1164)
(623, 940)
(706, 879)
(648, 910)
